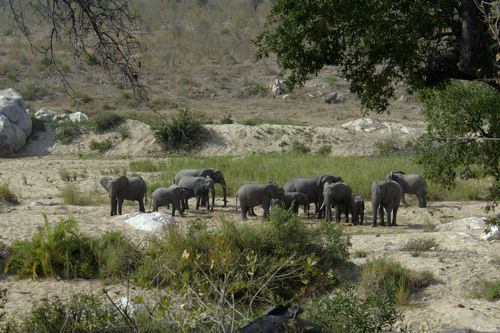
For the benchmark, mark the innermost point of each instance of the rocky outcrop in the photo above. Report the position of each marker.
(15, 122)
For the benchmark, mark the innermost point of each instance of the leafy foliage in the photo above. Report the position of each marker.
(63, 251)
(376, 45)
(281, 259)
(101, 146)
(490, 290)
(53, 251)
(345, 312)
(67, 131)
(182, 132)
(462, 134)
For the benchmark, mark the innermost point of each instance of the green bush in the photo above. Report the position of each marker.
(255, 89)
(388, 147)
(345, 312)
(7, 195)
(101, 146)
(386, 274)
(281, 258)
(181, 132)
(324, 150)
(67, 131)
(117, 257)
(105, 121)
(490, 290)
(53, 251)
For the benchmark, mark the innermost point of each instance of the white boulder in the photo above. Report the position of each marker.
(45, 113)
(492, 233)
(15, 122)
(364, 125)
(77, 117)
(152, 222)
(466, 224)
(128, 306)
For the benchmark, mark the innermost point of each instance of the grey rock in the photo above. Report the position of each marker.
(330, 98)
(15, 122)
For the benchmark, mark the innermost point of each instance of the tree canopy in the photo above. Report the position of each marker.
(377, 44)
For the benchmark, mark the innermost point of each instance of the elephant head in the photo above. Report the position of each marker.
(218, 178)
(117, 188)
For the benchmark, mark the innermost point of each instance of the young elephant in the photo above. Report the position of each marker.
(294, 200)
(338, 195)
(357, 209)
(198, 187)
(167, 196)
(215, 174)
(411, 184)
(122, 188)
(386, 195)
(251, 195)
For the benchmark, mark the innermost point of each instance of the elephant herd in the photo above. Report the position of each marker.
(325, 191)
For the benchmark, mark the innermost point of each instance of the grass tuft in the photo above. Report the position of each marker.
(101, 146)
(420, 245)
(72, 195)
(7, 195)
(490, 290)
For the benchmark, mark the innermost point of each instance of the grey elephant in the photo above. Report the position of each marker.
(357, 209)
(386, 195)
(251, 195)
(312, 187)
(337, 195)
(200, 188)
(293, 200)
(215, 174)
(411, 184)
(122, 188)
(168, 196)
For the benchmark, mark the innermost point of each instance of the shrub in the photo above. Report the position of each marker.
(226, 120)
(67, 132)
(31, 91)
(53, 251)
(386, 274)
(7, 195)
(117, 257)
(420, 245)
(66, 175)
(345, 312)
(388, 147)
(324, 150)
(101, 146)
(73, 196)
(490, 290)
(181, 132)
(300, 148)
(255, 89)
(281, 258)
(105, 121)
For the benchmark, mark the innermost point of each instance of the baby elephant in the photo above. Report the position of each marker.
(166, 196)
(251, 195)
(357, 209)
(294, 200)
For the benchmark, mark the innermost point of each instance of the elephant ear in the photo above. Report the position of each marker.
(105, 183)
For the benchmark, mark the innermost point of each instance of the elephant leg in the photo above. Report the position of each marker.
(306, 209)
(251, 212)
(403, 200)
(120, 205)
(422, 202)
(141, 205)
(198, 200)
(374, 209)
(381, 213)
(266, 206)
(394, 213)
(338, 212)
(362, 218)
(244, 210)
(388, 211)
(346, 211)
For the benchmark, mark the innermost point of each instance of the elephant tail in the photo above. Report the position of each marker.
(236, 203)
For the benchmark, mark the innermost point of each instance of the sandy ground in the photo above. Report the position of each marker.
(459, 263)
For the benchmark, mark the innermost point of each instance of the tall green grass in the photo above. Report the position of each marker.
(358, 172)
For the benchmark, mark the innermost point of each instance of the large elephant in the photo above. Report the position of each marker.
(338, 195)
(168, 196)
(386, 195)
(198, 187)
(411, 184)
(312, 187)
(251, 195)
(293, 200)
(124, 188)
(215, 174)
(357, 209)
